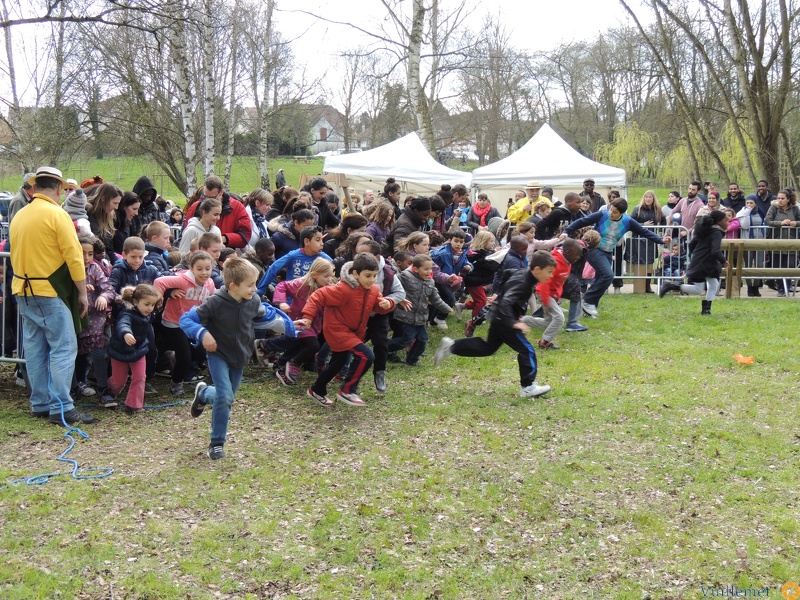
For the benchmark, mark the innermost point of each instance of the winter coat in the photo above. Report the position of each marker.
(474, 221)
(734, 202)
(347, 310)
(751, 224)
(387, 280)
(148, 211)
(513, 261)
(549, 226)
(106, 238)
(707, 256)
(234, 222)
(123, 275)
(512, 301)
(19, 201)
(407, 223)
(130, 320)
(232, 323)
(447, 261)
(93, 336)
(377, 232)
(285, 239)
(123, 230)
(483, 270)
(420, 292)
(194, 295)
(158, 258)
(194, 229)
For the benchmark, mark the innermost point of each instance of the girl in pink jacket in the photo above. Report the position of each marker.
(189, 288)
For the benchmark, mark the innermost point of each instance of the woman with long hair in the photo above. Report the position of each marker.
(640, 253)
(126, 220)
(101, 207)
(381, 220)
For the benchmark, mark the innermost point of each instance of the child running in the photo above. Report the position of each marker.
(132, 340)
(345, 324)
(506, 327)
(301, 349)
(189, 288)
(707, 261)
(224, 325)
(482, 273)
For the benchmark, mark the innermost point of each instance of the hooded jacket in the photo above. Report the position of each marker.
(194, 229)
(553, 287)
(285, 239)
(148, 211)
(408, 222)
(234, 222)
(347, 310)
(130, 320)
(123, 275)
(420, 292)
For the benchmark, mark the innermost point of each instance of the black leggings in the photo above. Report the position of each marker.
(174, 339)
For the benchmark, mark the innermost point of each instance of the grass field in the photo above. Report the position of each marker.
(658, 467)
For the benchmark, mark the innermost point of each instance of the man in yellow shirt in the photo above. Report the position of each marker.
(50, 288)
(522, 209)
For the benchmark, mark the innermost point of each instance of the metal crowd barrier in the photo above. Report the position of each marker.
(176, 231)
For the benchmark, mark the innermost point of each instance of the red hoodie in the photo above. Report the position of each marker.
(553, 287)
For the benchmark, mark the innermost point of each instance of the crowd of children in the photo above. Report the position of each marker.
(157, 310)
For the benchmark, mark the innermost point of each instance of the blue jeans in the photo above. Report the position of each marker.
(50, 349)
(411, 333)
(220, 395)
(601, 262)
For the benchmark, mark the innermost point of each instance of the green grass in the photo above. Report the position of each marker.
(124, 171)
(658, 464)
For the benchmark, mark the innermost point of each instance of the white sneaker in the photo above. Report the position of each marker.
(458, 309)
(440, 323)
(443, 351)
(591, 310)
(534, 390)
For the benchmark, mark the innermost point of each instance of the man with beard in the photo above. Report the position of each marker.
(595, 199)
(763, 197)
(688, 208)
(735, 199)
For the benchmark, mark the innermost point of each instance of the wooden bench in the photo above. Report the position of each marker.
(737, 249)
(302, 158)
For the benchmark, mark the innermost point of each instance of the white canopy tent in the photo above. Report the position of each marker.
(405, 159)
(551, 161)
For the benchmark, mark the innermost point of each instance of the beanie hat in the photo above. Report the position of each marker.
(421, 204)
(75, 205)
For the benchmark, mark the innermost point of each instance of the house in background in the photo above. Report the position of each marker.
(327, 131)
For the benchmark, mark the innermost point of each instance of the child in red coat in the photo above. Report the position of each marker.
(550, 291)
(347, 310)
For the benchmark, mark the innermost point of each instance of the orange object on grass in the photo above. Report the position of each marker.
(743, 360)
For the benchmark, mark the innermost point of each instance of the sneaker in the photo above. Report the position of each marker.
(261, 355)
(440, 323)
(458, 309)
(323, 400)
(197, 407)
(292, 371)
(393, 358)
(412, 364)
(71, 417)
(216, 452)
(106, 400)
(443, 351)
(150, 389)
(40, 414)
(573, 327)
(176, 388)
(351, 399)
(591, 310)
(164, 373)
(82, 389)
(192, 378)
(781, 294)
(548, 345)
(380, 381)
(469, 328)
(130, 410)
(534, 390)
(283, 377)
(20, 381)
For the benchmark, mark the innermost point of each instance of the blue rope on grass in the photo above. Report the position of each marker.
(99, 472)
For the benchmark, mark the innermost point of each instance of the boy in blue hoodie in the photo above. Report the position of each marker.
(297, 262)
(451, 259)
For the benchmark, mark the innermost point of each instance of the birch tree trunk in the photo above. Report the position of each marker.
(232, 100)
(180, 61)
(266, 77)
(208, 90)
(416, 90)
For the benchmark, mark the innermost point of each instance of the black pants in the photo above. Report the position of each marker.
(174, 339)
(378, 334)
(500, 334)
(362, 361)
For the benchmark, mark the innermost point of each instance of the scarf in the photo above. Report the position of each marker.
(481, 212)
(261, 223)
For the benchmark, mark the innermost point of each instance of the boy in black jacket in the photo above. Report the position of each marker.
(505, 325)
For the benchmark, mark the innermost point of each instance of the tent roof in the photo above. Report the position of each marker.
(405, 159)
(547, 158)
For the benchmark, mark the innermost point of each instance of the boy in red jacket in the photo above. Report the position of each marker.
(347, 310)
(567, 254)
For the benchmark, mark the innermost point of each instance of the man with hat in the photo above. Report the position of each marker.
(523, 208)
(595, 199)
(22, 198)
(50, 288)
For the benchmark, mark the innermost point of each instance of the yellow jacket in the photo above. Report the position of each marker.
(42, 238)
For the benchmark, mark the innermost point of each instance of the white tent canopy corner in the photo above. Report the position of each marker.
(405, 159)
(550, 160)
